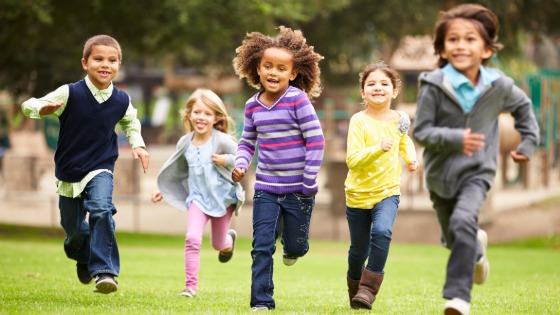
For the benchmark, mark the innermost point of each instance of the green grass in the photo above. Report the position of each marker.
(37, 278)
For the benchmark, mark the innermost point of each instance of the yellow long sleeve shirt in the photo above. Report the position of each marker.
(374, 175)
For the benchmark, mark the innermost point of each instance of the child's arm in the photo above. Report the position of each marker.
(408, 152)
(227, 158)
(357, 154)
(521, 109)
(245, 149)
(312, 132)
(132, 130)
(156, 196)
(426, 130)
(52, 103)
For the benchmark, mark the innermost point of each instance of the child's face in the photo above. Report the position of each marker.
(202, 118)
(378, 90)
(276, 70)
(464, 48)
(102, 65)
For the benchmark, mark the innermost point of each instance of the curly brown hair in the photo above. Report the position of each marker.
(306, 60)
(484, 20)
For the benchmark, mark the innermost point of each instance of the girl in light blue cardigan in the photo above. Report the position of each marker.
(197, 178)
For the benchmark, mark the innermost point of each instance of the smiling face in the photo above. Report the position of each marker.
(102, 65)
(202, 119)
(378, 90)
(276, 70)
(465, 48)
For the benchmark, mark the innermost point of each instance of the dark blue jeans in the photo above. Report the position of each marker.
(269, 209)
(92, 243)
(370, 236)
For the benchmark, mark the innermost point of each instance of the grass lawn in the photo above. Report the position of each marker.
(37, 278)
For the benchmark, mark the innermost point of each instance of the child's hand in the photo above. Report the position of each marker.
(219, 159)
(412, 166)
(49, 109)
(238, 174)
(156, 197)
(472, 142)
(144, 156)
(386, 144)
(518, 157)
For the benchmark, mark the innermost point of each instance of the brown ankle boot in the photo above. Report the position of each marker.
(368, 289)
(352, 288)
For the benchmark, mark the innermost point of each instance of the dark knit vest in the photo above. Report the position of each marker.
(87, 140)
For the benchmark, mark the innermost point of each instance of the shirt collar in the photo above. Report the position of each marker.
(456, 78)
(105, 93)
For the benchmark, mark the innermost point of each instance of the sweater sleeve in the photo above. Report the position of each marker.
(314, 145)
(426, 132)
(526, 124)
(247, 143)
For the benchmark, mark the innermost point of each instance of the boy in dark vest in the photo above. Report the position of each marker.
(87, 149)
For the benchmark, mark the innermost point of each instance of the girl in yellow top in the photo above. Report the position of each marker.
(376, 137)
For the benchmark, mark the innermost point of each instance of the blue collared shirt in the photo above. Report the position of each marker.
(467, 94)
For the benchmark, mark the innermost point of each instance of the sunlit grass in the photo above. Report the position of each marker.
(37, 278)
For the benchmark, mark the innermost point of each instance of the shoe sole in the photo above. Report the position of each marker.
(105, 287)
(225, 257)
(482, 270)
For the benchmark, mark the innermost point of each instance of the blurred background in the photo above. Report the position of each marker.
(172, 47)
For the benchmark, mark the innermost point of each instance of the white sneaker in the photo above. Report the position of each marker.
(259, 308)
(482, 266)
(456, 306)
(190, 293)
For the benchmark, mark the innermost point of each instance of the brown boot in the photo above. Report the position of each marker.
(352, 288)
(368, 289)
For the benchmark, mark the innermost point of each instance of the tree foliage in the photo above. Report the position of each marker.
(42, 40)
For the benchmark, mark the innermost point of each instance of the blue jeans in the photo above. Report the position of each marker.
(294, 209)
(370, 236)
(92, 243)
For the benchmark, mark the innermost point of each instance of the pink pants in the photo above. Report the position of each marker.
(196, 220)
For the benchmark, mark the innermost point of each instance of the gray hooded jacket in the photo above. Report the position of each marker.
(173, 180)
(440, 124)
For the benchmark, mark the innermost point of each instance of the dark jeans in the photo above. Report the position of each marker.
(294, 210)
(370, 236)
(92, 243)
(458, 219)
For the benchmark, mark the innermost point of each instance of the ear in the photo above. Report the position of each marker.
(395, 93)
(362, 93)
(487, 53)
(443, 55)
(84, 64)
(294, 75)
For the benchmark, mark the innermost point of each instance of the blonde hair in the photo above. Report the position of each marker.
(104, 40)
(214, 102)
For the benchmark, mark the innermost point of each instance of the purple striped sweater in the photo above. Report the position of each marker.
(290, 143)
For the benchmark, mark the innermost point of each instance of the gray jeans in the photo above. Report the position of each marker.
(458, 219)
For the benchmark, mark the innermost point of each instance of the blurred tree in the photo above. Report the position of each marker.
(41, 40)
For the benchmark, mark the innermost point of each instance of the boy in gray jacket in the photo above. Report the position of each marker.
(457, 124)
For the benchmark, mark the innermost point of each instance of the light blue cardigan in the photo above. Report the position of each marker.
(173, 181)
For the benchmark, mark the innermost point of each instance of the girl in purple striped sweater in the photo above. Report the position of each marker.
(282, 121)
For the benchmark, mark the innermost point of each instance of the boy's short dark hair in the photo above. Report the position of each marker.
(483, 19)
(104, 40)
